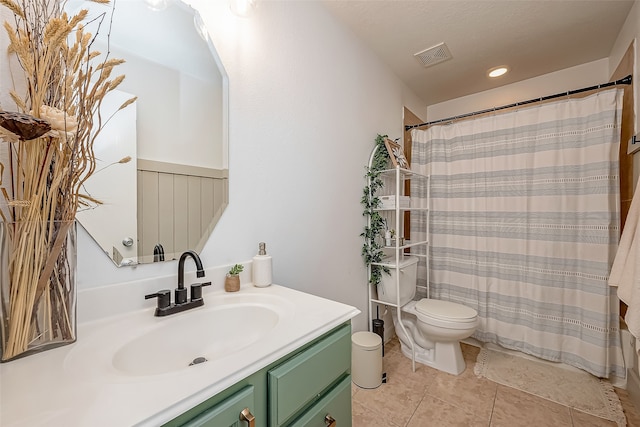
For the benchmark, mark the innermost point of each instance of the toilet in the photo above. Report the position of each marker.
(436, 327)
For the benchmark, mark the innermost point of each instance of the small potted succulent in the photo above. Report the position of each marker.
(232, 281)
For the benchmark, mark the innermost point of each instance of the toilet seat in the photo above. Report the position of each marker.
(445, 313)
(445, 310)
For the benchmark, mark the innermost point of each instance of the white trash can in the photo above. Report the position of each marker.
(366, 359)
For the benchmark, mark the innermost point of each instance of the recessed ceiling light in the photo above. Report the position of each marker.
(497, 71)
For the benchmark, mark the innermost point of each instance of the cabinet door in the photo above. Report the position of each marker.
(298, 382)
(226, 413)
(334, 406)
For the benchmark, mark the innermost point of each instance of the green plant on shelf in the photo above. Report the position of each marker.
(376, 225)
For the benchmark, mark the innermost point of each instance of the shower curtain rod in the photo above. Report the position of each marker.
(624, 81)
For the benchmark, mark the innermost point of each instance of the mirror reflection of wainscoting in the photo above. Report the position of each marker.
(181, 116)
(178, 206)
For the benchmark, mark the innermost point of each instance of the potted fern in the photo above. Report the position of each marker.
(232, 281)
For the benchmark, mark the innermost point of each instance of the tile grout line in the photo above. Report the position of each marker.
(493, 407)
(424, 394)
(573, 424)
(495, 396)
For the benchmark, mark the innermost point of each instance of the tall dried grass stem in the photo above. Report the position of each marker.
(65, 81)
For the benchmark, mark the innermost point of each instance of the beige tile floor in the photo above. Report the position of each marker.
(428, 397)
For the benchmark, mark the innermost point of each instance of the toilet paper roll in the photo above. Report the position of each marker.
(262, 270)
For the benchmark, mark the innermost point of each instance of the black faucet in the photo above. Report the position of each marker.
(165, 307)
(183, 258)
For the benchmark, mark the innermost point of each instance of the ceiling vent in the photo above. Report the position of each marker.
(433, 55)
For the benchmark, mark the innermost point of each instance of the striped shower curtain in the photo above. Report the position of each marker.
(524, 226)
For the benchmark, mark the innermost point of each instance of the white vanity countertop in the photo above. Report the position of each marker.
(77, 385)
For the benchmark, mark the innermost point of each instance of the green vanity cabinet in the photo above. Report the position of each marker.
(305, 377)
(335, 406)
(224, 409)
(231, 412)
(309, 387)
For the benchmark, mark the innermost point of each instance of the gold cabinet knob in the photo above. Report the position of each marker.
(330, 421)
(247, 416)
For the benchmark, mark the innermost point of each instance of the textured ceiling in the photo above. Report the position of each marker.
(532, 37)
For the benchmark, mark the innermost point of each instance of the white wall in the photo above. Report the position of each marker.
(166, 133)
(306, 103)
(577, 77)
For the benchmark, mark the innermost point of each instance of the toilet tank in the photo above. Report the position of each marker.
(408, 279)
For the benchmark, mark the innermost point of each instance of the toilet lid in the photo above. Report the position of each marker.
(445, 310)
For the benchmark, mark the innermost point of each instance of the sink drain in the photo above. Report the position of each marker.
(197, 361)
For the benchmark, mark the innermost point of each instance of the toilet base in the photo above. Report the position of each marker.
(446, 357)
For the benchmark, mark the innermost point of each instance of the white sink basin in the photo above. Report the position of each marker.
(86, 384)
(210, 334)
(142, 345)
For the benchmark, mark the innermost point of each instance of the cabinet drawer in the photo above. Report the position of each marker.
(302, 379)
(336, 403)
(227, 412)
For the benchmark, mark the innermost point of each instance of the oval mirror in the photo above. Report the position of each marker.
(162, 163)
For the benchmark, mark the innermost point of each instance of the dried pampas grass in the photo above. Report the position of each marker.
(43, 175)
